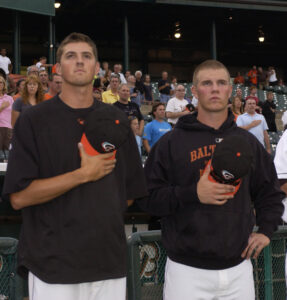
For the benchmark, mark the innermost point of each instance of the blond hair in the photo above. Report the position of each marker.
(4, 90)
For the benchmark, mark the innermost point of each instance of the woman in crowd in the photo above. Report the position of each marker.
(148, 89)
(6, 102)
(19, 88)
(236, 107)
(32, 94)
(134, 122)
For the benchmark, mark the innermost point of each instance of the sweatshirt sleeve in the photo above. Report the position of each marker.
(164, 197)
(266, 193)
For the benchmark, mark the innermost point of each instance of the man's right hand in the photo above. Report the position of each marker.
(96, 167)
(255, 123)
(211, 192)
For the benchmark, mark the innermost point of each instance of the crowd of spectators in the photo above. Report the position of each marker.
(128, 91)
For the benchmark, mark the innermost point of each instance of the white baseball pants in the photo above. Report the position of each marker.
(188, 283)
(98, 290)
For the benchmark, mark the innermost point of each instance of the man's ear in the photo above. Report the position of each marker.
(58, 69)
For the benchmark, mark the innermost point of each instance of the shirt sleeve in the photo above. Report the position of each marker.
(23, 160)
(147, 132)
(164, 197)
(170, 106)
(139, 113)
(239, 121)
(280, 159)
(17, 105)
(264, 124)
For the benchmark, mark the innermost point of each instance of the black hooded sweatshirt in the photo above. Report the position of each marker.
(200, 235)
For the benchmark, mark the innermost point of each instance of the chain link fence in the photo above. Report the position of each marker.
(11, 285)
(147, 260)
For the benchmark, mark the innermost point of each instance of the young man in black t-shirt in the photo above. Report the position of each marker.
(164, 87)
(128, 107)
(72, 244)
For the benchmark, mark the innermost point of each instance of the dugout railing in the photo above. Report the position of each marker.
(147, 260)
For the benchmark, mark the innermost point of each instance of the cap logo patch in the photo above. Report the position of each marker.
(218, 140)
(108, 147)
(227, 175)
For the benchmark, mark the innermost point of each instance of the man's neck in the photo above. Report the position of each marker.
(114, 91)
(77, 96)
(159, 120)
(123, 101)
(212, 119)
(251, 113)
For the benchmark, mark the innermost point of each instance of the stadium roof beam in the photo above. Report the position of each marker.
(268, 5)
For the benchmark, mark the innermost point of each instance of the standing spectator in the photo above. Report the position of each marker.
(55, 86)
(105, 69)
(164, 87)
(176, 106)
(10, 84)
(19, 88)
(117, 68)
(236, 107)
(134, 122)
(127, 74)
(5, 116)
(252, 76)
(148, 89)
(262, 78)
(140, 86)
(32, 94)
(32, 70)
(253, 94)
(44, 78)
(255, 124)
(239, 79)
(128, 107)
(5, 62)
(272, 76)
(42, 64)
(173, 85)
(155, 129)
(134, 93)
(111, 96)
(268, 111)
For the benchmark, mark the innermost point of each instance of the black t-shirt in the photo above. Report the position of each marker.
(130, 109)
(140, 86)
(78, 236)
(166, 90)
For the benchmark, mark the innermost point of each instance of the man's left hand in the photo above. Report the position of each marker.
(256, 242)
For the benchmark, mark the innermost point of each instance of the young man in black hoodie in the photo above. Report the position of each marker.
(208, 234)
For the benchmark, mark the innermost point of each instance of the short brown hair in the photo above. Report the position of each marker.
(208, 64)
(155, 106)
(76, 37)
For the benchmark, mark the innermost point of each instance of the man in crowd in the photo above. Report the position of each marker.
(111, 96)
(206, 225)
(73, 243)
(255, 123)
(154, 130)
(269, 112)
(139, 85)
(42, 63)
(128, 107)
(32, 70)
(117, 71)
(164, 87)
(5, 62)
(262, 78)
(252, 76)
(176, 106)
(55, 86)
(44, 78)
